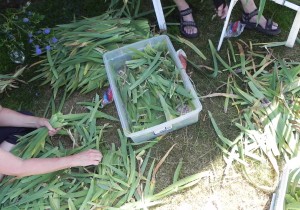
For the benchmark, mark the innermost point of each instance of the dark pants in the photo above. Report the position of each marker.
(9, 133)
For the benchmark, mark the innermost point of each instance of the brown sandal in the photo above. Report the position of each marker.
(250, 25)
(184, 24)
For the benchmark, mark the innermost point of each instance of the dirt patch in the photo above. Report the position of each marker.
(217, 192)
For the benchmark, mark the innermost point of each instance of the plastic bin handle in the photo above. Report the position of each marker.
(162, 129)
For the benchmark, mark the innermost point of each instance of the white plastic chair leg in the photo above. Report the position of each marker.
(294, 31)
(231, 5)
(159, 15)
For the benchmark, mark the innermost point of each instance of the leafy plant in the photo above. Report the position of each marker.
(21, 27)
(265, 91)
(292, 201)
(10, 81)
(77, 61)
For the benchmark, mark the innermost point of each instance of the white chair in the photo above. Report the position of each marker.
(159, 15)
(294, 29)
(231, 5)
(296, 24)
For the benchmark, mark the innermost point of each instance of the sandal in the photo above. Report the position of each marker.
(250, 25)
(184, 24)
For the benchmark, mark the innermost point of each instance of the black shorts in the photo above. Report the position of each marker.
(10, 134)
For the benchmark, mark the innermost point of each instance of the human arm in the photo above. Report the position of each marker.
(12, 118)
(15, 166)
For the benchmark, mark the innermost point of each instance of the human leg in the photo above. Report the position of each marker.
(8, 138)
(7, 147)
(188, 27)
(250, 16)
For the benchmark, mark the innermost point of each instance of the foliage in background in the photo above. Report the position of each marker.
(128, 8)
(21, 27)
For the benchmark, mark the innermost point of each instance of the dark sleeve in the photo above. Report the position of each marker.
(10, 134)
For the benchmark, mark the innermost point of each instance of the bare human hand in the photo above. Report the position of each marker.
(86, 158)
(43, 122)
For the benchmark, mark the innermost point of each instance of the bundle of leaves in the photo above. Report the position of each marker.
(76, 63)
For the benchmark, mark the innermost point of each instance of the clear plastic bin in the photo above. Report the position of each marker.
(279, 196)
(116, 58)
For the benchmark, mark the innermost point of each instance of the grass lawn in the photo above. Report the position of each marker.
(195, 144)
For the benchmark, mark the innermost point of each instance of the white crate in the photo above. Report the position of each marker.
(278, 197)
(116, 58)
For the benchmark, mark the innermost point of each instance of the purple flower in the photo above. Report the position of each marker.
(48, 48)
(38, 51)
(47, 30)
(30, 40)
(25, 20)
(30, 35)
(54, 40)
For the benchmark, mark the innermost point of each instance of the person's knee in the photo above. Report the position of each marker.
(7, 146)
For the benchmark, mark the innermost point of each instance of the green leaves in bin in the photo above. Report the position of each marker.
(151, 87)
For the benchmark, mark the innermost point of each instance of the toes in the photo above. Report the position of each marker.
(190, 30)
(193, 30)
(275, 25)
